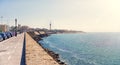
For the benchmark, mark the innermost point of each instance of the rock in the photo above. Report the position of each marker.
(62, 63)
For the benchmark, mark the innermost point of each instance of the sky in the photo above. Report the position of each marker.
(82, 15)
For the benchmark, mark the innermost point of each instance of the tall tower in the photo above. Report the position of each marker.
(50, 26)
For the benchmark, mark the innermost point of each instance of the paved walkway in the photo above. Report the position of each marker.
(11, 50)
(35, 55)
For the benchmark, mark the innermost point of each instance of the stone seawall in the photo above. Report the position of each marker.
(36, 55)
(37, 37)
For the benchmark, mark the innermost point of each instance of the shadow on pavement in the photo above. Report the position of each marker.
(23, 62)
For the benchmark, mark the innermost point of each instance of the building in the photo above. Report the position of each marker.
(24, 28)
(19, 26)
(4, 28)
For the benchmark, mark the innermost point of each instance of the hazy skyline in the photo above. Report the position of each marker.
(85, 15)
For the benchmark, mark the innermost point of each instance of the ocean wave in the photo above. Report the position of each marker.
(51, 46)
(80, 61)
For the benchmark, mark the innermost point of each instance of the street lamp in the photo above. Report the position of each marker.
(1, 19)
(15, 27)
(15, 22)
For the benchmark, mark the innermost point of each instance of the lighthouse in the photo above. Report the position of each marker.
(50, 26)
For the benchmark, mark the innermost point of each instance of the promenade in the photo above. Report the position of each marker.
(11, 50)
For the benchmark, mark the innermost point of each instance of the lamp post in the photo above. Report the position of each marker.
(1, 19)
(1, 23)
(15, 27)
(15, 22)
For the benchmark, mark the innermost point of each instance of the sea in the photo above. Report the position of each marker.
(101, 48)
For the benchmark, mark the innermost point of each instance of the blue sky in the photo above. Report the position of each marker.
(86, 15)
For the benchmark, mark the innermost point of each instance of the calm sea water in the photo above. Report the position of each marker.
(86, 48)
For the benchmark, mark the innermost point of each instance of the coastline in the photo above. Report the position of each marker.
(37, 37)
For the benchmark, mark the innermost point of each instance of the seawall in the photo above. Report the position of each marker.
(35, 54)
(36, 37)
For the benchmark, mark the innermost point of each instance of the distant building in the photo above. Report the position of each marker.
(4, 28)
(24, 28)
(19, 26)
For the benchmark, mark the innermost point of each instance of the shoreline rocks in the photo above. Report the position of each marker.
(54, 55)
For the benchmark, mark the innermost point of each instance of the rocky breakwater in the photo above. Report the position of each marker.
(37, 36)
